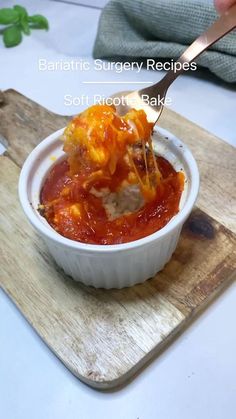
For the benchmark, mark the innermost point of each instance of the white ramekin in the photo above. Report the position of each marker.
(113, 266)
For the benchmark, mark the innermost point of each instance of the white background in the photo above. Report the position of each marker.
(193, 378)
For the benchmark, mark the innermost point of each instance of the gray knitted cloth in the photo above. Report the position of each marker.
(163, 29)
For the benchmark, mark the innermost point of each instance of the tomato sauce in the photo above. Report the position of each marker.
(79, 215)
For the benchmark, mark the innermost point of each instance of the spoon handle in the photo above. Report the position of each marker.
(216, 31)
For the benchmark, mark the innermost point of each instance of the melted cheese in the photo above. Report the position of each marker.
(97, 139)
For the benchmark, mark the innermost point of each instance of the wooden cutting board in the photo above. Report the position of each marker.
(105, 336)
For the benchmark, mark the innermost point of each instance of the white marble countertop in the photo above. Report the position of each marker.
(193, 378)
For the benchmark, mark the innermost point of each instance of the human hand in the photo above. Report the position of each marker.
(223, 5)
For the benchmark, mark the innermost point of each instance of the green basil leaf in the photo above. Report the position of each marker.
(12, 36)
(38, 22)
(8, 16)
(24, 24)
(22, 12)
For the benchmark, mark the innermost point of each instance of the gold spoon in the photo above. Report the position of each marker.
(151, 99)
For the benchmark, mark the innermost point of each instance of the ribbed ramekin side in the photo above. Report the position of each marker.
(118, 269)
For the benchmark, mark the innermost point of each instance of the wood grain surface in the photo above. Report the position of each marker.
(105, 336)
